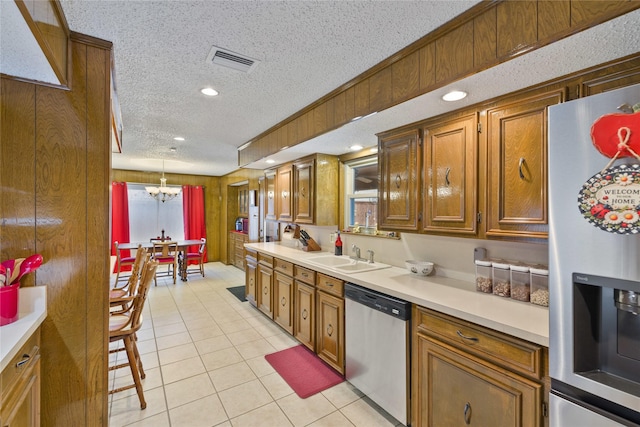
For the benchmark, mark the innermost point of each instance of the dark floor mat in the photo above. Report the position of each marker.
(238, 291)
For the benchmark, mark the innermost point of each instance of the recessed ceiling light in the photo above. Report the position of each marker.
(454, 95)
(209, 91)
(173, 149)
(355, 147)
(270, 161)
(178, 138)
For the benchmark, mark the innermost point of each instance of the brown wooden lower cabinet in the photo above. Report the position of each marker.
(330, 337)
(485, 379)
(235, 248)
(264, 290)
(251, 276)
(20, 380)
(305, 314)
(306, 304)
(283, 301)
(330, 321)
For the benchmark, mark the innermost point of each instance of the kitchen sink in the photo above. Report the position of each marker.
(345, 264)
(330, 260)
(359, 267)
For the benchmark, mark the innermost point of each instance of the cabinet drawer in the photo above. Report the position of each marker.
(265, 259)
(330, 285)
(251, 253)
(498, 348)
(304, 275)
(283, 266)
(19, 363)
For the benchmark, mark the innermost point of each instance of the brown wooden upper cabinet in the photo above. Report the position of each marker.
(243, 200)
(316, 190)
(304, 184)
(517, 167)
(270, 196)
(450, 170)
(284, 199)
(398, 193)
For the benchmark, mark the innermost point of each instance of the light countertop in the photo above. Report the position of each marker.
(450, 296)
(32, 310)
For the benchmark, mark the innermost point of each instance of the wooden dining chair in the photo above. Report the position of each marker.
(129, 287)
(123, 327)
(122, 262)
(197, 256)
(166, 253)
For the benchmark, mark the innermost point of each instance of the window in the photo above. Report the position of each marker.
(148, 216)
(361, 192)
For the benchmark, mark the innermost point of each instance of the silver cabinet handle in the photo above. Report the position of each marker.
(467, 413)
(398, 181)
(463, 336)
(446, 176)
(305, 314)
(25, 359)
(520, 163)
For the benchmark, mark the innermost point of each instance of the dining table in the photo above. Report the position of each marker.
(182, 249)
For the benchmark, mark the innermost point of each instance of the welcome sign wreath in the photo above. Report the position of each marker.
(610, 200)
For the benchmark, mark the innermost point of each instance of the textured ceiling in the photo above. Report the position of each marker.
(305, 48)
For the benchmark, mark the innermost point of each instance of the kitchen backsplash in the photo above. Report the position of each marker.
(452, 256)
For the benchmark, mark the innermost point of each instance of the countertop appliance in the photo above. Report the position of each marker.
(594, 269)
(377, 343)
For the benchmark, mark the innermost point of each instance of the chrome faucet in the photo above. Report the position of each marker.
(355, 249)
(356, 256)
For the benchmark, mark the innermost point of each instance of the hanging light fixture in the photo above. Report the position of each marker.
(163, 193)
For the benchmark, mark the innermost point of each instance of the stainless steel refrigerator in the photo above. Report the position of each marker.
(594, 262)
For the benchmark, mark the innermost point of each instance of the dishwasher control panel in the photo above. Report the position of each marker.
(387, 304)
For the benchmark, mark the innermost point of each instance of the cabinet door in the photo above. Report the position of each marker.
(330, 333)
(399, 172)
(270, 195)
(282, 301)
(231, 248)
(250, 274)
(243, 200)
(517, 167)
(304, 314)
(303, 182)
(265, 289)
(450, 168)
(456, 389)
(239, 251)
(284, 199)
(21, 406)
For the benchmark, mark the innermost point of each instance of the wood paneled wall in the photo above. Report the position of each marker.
(212, 200)
(54, 179)
(486, 35)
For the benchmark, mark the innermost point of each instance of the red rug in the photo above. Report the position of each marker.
(305, 372)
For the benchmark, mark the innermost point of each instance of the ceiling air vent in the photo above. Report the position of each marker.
(229, 59)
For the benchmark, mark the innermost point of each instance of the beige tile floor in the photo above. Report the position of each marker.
(203, 352)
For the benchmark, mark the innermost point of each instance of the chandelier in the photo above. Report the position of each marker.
(163, 193)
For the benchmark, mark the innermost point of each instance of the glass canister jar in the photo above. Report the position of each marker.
(483, 276)
(501, 279)
(539, 285)
(520, 282)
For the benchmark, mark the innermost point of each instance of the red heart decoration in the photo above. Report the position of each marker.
(607, 133)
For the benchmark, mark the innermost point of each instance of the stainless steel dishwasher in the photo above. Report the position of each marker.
(377, 341)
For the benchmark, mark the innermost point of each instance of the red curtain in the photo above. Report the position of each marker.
(119, 218)
(193, 212)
